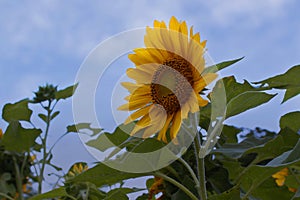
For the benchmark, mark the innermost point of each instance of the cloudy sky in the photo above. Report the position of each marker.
(46, 42)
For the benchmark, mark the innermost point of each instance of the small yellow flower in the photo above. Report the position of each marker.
(156, 187)
(281, 176)
(168, 79)
(77, 169)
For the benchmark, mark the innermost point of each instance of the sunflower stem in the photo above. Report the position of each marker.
(200, 169)
(188, 167)
(19, 178)
(176, 183)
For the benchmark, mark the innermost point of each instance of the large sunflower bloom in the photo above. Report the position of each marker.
(168, 79)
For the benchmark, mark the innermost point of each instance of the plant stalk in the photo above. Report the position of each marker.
(174, 182)
(18, 179)
(45, 154)
(200, 169)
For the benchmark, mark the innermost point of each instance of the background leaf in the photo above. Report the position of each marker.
(19, 139)
(66, 93)
(17, 111)
(220, 66)
(291, 120)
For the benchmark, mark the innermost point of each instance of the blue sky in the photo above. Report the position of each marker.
(46, 42)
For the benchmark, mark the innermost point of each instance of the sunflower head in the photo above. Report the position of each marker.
(167, 79)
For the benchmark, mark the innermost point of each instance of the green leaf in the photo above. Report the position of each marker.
(236, 97)
(101, 175)
(256, 175)
(121, 193)
(17, 111)
(229, 134)
(284, 141)
(43, 117)
(78, 128)
(54, 115)
(268, 190)
(220, 66)
(108, 140)
(232, 194)
(236, 150)
(291, 120)
(6, 186)
(290, 93)
(19, 139)
(246, 101)
(58, 192)
(289, 79)
(66, 93)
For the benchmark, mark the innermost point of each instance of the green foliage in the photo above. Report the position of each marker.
(291, 120)
(19, 139)
(241, 165)
(288, 81)
(17, 111)
(220, 66)
(66, 93)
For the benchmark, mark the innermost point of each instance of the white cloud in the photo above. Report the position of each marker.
(252, 12)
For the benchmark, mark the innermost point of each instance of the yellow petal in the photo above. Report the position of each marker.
(133, 105)
(201, 102)
(139, 76)
(137, 114)
(280, 182)
(156, 24)
(193, 103)
(131, 87)
(174, 24)
(175, 125)
(183, 28)
(204, 81)
(142, 123)
(162, 133)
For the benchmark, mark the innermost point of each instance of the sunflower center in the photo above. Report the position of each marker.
(172, 84)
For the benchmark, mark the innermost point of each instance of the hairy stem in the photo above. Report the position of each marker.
(179, 185)
(18, 179)
(44, 146)
(200, 169)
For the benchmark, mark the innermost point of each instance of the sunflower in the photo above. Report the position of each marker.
(168, 79)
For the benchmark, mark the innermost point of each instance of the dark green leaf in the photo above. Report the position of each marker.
(246, 101)
(54, 115)
(17, 111)
(121, 193)
(289, 79)
(290, 93)
(101, 175)
(66, 93)
(233, 194)
(43, 117)
(108, 140)
(229, 134)
(235, 97)
(78, 128)
(291, 120)
(285, 140)
(19, 139)
(58, 192)
(220, 66)
(268, 190)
